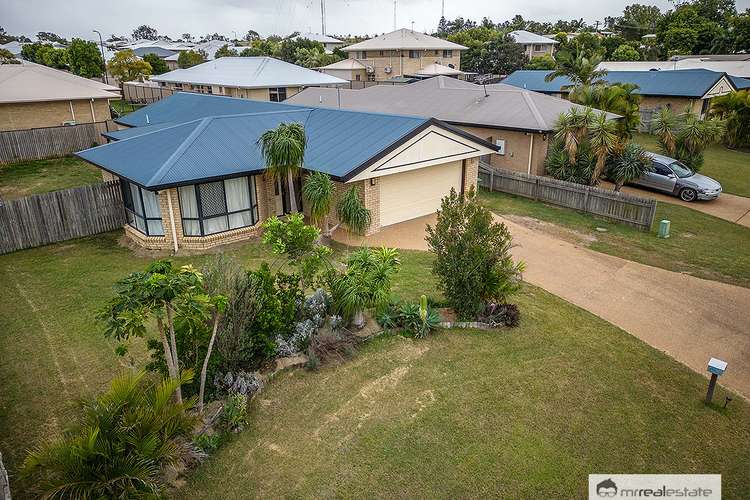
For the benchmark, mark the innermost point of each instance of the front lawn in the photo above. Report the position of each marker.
(41, 176)
(464, 413)
(520, 413)
(700, 244)
(730, 167)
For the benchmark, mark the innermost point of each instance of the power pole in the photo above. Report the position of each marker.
(394, 15)
(323, 16)
(442, 10)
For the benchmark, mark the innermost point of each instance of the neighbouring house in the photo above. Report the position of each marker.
(346, 69)
(193, 175)
(534, 45)
(13, 47)
(403, 52)
(33, 96)
(690, 89)
(736, 65)
(519, 122)
(436, 69)
(329, 43)
(259, 78)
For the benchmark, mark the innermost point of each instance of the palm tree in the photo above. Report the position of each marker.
(119, 446)
(579, 69)
(629, 165)
(366, 282)
(571, 128)
(284, 152)
(318, 193)
(685, 137)
(603, 141)
(664, 126)
(734, 109)
(618, 98)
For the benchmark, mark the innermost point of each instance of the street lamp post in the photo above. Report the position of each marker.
(104, 63)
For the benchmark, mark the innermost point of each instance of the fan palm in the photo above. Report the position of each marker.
(284, 152)
(120, 446)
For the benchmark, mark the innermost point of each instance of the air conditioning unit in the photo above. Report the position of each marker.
(68, 123)
(387, 69)
(500, 143)
(370, 69)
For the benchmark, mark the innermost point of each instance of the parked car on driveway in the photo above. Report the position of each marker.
(674, 177)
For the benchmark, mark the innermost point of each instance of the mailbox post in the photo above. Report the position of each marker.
(716, 367)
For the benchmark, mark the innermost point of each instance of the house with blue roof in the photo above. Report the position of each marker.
(193, 175)
(690, 89)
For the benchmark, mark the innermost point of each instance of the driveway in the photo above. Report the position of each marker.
(689, 318)
(728, 206)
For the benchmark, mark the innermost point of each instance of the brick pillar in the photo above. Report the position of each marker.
(371, 197)
(471, 173)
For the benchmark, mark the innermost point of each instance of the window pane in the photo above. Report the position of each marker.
(151, 204)
(134, 192)
(253, 200)
(212, 198)
(188, 203)
(127, 196)
(191, 227)
(215, 225)
(155, 228)
(140, 224)
(238, 194)
(240, 219)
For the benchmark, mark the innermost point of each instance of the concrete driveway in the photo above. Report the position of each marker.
(727, 206)
(689, 318)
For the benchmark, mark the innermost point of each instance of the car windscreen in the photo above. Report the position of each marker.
(681, 170)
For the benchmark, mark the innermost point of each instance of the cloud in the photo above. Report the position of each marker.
(79, 17)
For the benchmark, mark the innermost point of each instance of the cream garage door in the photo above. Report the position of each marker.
(416, 193)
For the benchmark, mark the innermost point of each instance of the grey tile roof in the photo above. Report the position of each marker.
(450, 100)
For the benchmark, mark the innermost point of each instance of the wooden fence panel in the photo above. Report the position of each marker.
(46, 218)
(50, 142)
(620, 207)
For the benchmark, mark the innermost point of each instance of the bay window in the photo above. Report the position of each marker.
(215, 207)
(142, 208)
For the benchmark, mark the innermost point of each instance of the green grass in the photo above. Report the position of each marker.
(522, 412)
(41, 176)
(700, 244)
(728, 166)
(123, 107)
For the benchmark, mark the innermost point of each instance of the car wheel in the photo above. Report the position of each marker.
(688, 194)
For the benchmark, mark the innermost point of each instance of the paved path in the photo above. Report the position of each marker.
(728, 206)
(689, 318)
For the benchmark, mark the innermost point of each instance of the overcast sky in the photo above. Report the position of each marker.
(78, 17)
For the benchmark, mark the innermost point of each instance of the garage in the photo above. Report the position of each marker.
(412, 194)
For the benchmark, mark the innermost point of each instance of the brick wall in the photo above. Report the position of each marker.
(402, 64)
(516, 155)
(471, 174)
(19, 116)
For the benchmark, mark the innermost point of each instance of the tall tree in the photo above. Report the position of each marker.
(225, 51)
(158, 66)
(85, 58)
(49, 37)
(190, 58)
(284, 152)
(579, 69)
(126, 66)
(145, 32)
(638, 20)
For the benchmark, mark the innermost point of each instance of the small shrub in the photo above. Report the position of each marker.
(313, 362)
(473, 262)
(316, 307)
(387, 318)
(241, 382)
(336, 322)
(497, 315)
(336, 347)
(234, 416)
(412, 321)
(208, 443)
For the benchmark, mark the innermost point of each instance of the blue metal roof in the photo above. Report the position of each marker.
(679, 83)
(186, 106)
(739, 83)
(339, 143)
